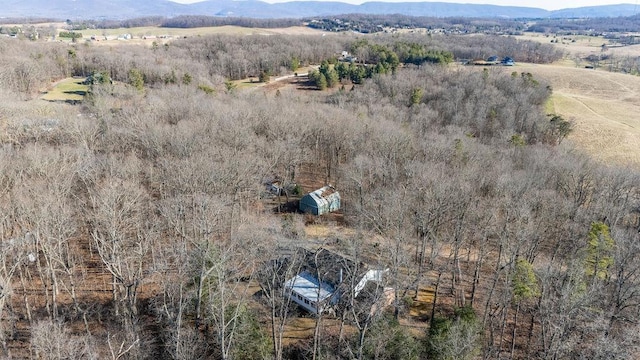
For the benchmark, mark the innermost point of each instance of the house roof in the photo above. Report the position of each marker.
(311, 288)
(324, 195)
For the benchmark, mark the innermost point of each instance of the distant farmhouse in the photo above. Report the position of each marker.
(326, 278)
(493, 60)
(321, 201)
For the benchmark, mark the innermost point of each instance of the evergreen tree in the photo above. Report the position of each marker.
(599, 251)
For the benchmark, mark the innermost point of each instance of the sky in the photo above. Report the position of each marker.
(544, 4)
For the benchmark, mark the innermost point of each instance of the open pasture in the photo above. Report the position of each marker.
(603, 105)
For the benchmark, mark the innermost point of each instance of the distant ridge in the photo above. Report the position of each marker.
(125, 9)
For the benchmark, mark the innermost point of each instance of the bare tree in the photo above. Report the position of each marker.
(52, 340)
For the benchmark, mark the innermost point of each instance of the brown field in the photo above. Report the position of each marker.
(583, 45)
(149, 34)
(602, 104)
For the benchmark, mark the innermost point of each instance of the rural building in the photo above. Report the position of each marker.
(321, 201)
(507, 61)
(325, 277)
(273, 186)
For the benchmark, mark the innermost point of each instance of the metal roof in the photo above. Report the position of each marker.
(307, 285)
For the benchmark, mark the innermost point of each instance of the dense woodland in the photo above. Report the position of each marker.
(133, 225)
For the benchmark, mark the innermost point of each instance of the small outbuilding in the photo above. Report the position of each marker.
(507, 61)
(321, 201)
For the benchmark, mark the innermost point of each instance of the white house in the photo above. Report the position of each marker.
(326, 277)
(310, 293)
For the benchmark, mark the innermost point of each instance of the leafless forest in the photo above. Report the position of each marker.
(133, 225)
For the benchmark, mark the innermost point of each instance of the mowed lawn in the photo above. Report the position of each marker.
(603, 105)
(69, 89)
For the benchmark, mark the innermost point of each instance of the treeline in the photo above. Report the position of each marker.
(70, 35)
(188, 21)
(587, 26)
(116, 24)
(191, 21)
(377, 23)
(30, 21)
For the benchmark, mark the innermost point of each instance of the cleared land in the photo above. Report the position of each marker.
(68, 90)
(149, 34)
(582, 45)
(604, 105)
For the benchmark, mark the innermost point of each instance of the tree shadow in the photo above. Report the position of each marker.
(76, 92)
(288, 207)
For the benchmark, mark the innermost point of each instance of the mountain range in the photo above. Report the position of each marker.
(125, 9)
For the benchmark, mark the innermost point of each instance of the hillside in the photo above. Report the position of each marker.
(125, 9)
(155, 213)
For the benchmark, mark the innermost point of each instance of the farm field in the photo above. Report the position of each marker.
(583, 45)
(149, 34)
(602, 104)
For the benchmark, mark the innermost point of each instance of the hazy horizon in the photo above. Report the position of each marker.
(541, 4)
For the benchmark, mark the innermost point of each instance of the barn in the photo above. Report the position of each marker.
(321, 201)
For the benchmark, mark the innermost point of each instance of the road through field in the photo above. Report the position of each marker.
(605, 107)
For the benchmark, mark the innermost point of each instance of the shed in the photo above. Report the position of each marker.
(507, 61)
(321, 201)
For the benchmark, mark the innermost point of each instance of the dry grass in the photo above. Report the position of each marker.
(583, 46)
(422, 304)
(302, 328)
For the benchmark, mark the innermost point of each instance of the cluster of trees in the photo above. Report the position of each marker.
(365, 23)
(191, 21)
(375, 59)
(184, 22)
(70, 34)
(411, 53)
(137, 229)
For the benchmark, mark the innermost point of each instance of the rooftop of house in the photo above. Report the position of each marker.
(310, 287)
(323, 192)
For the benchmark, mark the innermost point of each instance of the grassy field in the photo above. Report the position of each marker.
(603, 106)
(149, 34)
(68, 90)
(583, 46)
